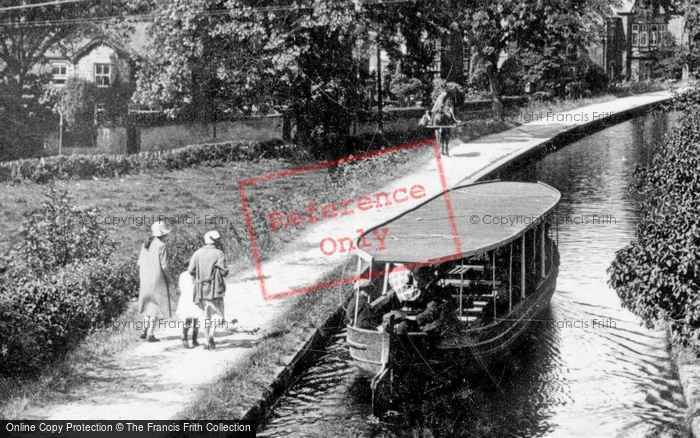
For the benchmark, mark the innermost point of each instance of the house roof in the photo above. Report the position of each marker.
(133, 44)
(624, 7)
(628, 7)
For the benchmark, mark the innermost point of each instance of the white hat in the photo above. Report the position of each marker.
(211, 237)
(159, 229)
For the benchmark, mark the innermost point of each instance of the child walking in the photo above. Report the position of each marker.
(187, 310)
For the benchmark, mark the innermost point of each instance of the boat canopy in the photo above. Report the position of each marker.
(462, 222)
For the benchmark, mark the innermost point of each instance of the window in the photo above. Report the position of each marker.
(664, 38)
(103, 75)
(466, 59)
(635, 34)
(654, 35)
(436, 67)
(59, 72)
(643, 41)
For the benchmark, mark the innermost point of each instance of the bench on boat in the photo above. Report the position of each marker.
(476, 306)
(461, 269)
(457, 282)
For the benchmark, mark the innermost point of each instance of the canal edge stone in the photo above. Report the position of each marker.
(262, 409)
(689, 377)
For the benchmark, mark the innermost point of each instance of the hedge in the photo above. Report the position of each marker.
(44, 170)
(41, 170)
(657, 276)
(40, 318)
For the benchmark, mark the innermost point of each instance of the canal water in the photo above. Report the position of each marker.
(590, 370)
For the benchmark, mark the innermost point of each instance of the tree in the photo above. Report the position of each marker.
(415, 25)
(30, 32)
(550, 30)
(208, 58)
(406, 89)
(27, 34)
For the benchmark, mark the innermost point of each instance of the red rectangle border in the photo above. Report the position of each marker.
(256, 254)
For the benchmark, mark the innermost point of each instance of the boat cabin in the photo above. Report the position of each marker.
(477, 274)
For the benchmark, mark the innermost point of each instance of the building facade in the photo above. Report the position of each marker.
(637, 36)
(103, 62)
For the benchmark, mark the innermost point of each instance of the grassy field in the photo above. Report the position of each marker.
(192, 196)
(202, 198)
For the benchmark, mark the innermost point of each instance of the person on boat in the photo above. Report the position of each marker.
(368, 317)
(419, 289)
(404, 283)
(209, 268)
(440, 309)
(155, 279)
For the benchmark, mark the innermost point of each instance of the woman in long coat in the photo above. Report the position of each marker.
(155, 277)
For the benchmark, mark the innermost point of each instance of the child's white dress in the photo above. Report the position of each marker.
(186, 308)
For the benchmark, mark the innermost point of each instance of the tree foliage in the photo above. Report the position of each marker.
(34, 31)
(414, 25)
(61, 284)
(75, 101)
(406, 89)
(211, 58)
(547, 33)
(657, 275)
(58, 234)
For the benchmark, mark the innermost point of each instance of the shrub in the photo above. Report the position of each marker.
(595, 77)
(407, 90)
(77, 99)
(58, 234)
(41, 317)
(61, 284)
(107, 166)
(576, 90)
(634, 88)
(511, 76)
(657, 276)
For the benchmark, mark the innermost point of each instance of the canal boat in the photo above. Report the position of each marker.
(461, 279)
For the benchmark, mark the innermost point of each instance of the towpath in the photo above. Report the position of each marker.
(157, 380)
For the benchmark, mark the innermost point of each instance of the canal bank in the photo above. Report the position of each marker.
(154, 394)
(689, 375)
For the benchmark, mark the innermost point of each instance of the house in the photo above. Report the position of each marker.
(637, 36)
(108, 63)
(454, 59)
(104, 61)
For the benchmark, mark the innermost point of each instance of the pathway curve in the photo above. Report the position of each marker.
(156, 381)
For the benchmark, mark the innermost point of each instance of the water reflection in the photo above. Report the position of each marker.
(592, 369)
